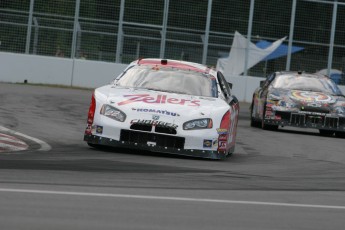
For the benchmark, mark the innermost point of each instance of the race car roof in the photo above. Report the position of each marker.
(175, 63)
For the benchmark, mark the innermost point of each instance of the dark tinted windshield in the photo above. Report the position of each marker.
(169, 80)
(305, 82)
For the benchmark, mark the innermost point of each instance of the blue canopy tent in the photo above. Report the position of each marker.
(281, 51)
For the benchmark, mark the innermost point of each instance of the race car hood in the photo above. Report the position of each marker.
(163, 103)
(300, 100)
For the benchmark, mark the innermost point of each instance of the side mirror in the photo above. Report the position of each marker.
(262, 83)
(230, 85)
(234, 100)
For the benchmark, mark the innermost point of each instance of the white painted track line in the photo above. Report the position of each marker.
(11, 144)
(44, 146)
(168, 198)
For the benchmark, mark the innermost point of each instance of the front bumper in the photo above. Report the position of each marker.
(306, 120)
(143, 145)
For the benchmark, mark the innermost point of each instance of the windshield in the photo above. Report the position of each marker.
(169, 79)
(305, 82)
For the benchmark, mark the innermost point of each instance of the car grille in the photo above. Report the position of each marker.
(297, 119)
(315, 120)
(159, 139)
(157, 129)
(332, 122)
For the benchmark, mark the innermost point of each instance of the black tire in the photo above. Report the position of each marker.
(340, 134)
(92, 145)
(253, 121)
(326, 133)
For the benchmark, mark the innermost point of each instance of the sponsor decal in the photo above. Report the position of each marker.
(223, 137)
(88, 129)
(99, 129)
(151, 143)
(207, 143)
(155, 117)
(222, 131)
(158, 111)
(158, 99)
(222, 145)
(314, 104)
(154, 123)
(215, 142)
(311, 96)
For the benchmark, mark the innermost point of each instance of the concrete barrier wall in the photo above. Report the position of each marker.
(16, 68)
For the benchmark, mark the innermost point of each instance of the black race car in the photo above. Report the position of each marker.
(299, 99)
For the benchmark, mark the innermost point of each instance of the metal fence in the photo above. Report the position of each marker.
(196, 30)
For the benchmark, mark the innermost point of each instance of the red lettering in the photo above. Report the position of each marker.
(183, 101)
(164, 98)
(150, 100)
(194, 103)
(146, 98)
(133, 99)
(173, 101)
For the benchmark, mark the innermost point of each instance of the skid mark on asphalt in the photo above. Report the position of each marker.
(10, 143)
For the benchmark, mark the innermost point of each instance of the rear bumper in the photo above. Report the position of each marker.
(306, 120)
(98, 140)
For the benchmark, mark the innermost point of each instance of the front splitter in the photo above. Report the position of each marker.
(103, 141)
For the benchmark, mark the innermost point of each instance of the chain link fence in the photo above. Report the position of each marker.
(199, 31)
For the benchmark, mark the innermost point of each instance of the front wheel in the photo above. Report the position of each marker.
(93, 145)
(253, 122)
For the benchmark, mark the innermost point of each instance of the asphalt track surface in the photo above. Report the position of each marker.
(285, 179)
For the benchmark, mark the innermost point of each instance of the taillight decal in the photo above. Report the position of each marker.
(223, 138)
(92, 109)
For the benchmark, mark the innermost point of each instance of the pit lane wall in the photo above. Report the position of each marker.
(16, 68)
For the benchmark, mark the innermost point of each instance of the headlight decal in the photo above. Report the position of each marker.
(113, 113)
(205, 123)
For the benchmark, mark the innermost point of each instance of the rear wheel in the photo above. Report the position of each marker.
(326, 133)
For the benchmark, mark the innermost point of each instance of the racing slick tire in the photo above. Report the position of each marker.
(253, 122)
(340, 134)
(326, 133)
(93, 145)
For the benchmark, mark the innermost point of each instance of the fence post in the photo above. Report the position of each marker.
(207, 32)
(119, 44)
(331, 42)
(75, 28)
(164, 28)
(292, 27)
(28, 33)
(249, 36)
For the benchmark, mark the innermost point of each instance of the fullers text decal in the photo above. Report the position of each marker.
(159, 99)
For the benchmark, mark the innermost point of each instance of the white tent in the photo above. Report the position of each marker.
(331, 71)
(234, 64)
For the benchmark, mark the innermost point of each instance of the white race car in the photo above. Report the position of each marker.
(165, 106)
